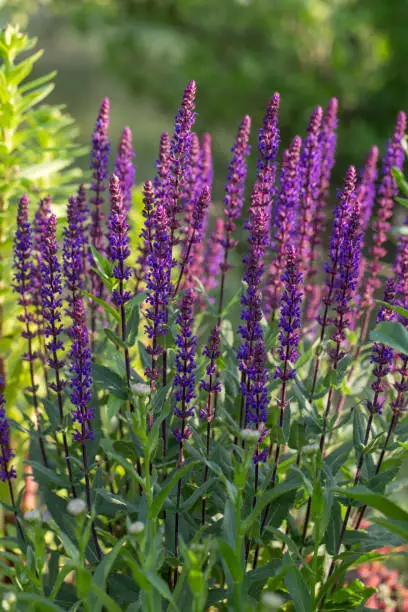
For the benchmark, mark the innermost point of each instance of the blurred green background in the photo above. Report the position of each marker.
(142, 52)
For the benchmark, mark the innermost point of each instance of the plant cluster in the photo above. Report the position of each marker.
(184, 462)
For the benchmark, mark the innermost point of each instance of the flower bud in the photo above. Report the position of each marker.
(136, 528)
(76, 507)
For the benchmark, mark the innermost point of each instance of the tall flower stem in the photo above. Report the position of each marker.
(51, 288)
(211, 386)
(23, 285)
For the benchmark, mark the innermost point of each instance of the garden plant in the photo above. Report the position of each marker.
(185, 461)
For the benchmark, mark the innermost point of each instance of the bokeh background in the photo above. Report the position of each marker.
(142, 52)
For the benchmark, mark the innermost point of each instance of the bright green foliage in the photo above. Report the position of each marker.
(37, 147)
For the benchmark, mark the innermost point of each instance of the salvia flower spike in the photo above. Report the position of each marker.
(51, 295)
(180, 149)
(7, 471)
(146, 234)
(23, 285)
(99, 167)
(124, 167)
(234, 196)
(286, 210)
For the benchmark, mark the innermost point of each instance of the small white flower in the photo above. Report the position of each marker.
(250, 435)
(8, 601)
(32, 515)
(136, 528)
(271, 601)
(141, 389)
(76, 507)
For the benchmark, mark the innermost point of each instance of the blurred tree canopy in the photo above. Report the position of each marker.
(241, 51)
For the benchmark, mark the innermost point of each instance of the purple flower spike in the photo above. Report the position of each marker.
(366, 189)
(285, 216)
(24, 282)
(382, 355)
(99, 167)
(7, 472)
(184, 379)
(340, 227)
(349, 261)
(213, 256)
(211, 385)
(234, 194)
(289, 321)
(180, 149)
(81, 377)
(192, 257)
(51, 290)
(124, 167)
(146, 235)
(192, 185)
(74, 248)
(310, 172)
(118, 241)
(159, 287)
(162, 178)
(387, 191)
(268, 146)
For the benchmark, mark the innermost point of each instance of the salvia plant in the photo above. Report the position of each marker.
(183, 459)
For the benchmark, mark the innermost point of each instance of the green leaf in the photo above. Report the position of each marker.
(167, 487)
(132, 321)
(402, 311)
(375, 500)
(398, 527)
(231, 560)
(102, 572)
(115, 314)
(359, 429)
(296, 586)
(109, 380)
(402, 201)
(393, 334)
(118, 342)
(332, 534)
(104, 598)
(401, 182)
(104, 265)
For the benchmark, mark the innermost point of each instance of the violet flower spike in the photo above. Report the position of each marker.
(289, 320)
(366, 189)
(124, 167)
(99, 167)
(74, 244)
(81, 374)
(180, 148)
(285, 217)
(118, 241)
(213, 256)
(23, 285)
(268, 147)
(382, 356)
(162, 178)
(7, 472)
(192, 186)
(310, 172)
(234, 196)
(159, 288)
(51, 294)
(387, 191)
(146, 234)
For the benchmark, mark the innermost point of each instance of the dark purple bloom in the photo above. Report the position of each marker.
(340, 227)
(74, 248)
(382, 355)
(366, 189)
(147, 233)
(99, 167)
(24, 273)
(327, 144)
(192, 184)
(348, 267)
(7, 472)
(213, 256)
(289, 320)
(234, 194)
(191, 256)
(256, 395)
(310, 176)
(81, 376)
(211, 384)
(180, 149)
(184, 379)
(118, 241)
(159, 287)
(51, 294)
(285, 216)
(162, 178)
(124, 167)
(387, 191)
